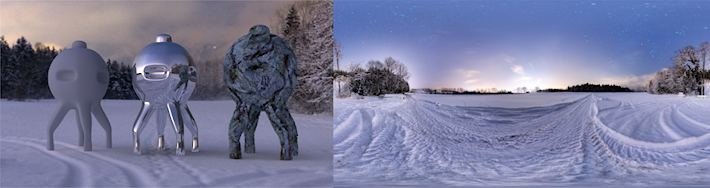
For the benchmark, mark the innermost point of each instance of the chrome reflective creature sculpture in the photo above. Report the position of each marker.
(78, 78)
(260, 72)
(164, 79)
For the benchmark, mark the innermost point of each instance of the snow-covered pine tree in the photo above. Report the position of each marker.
(112, 91)
(126, 78)
(22, 57)
(5, 62)
(44, 55)
(308, 28)
(292, 30)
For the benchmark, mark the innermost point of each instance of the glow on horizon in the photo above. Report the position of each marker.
(499, 71)
(510, 44)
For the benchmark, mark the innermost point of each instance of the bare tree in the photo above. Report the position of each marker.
(687, 67)
(704, 53)
(396, 67)
(375, 64)
(337, 53)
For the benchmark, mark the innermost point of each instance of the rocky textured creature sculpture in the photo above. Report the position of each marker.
(260, 72)
(78, 78)
(164, 79)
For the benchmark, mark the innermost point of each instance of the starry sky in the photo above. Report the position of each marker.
(511, 44)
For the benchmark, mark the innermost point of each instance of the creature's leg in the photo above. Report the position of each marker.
(162, 115)
(58, 117)
(139, 124)
(84, 112)
(192, 126)
(240, 119)
(176, 118)
(100, 116)
(249, 145)
(79, 127)
(285, 116)
(282, 129)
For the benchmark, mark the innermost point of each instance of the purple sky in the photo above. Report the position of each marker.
(510, 44)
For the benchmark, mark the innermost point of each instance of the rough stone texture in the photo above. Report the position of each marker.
(260, 72)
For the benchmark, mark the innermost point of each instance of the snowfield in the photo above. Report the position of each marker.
(25, 161)
(526, 139)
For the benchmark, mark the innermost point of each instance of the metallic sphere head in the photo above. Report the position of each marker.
(164, 72)
(78, 75)
(163, 38)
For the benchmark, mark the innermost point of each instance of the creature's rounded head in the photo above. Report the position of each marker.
(164, 71)
(260, 67)
(163, 38)
(78, 74)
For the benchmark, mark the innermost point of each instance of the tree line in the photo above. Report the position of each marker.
(25, 68)
(587, 87)
(686, 74)
(376, 79)
(307, 26)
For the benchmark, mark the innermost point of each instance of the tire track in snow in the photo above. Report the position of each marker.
(449, 144)
(634, 152)
(665, 127)
(134, 174)
(691, 120)
(78, 171)
(191, 171)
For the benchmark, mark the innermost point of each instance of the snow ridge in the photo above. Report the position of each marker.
(591, 139)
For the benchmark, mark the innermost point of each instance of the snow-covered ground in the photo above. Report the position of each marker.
(24, 161)
(528, 139)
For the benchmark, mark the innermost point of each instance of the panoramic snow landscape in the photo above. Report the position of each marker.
(26, 162)
(522, 139)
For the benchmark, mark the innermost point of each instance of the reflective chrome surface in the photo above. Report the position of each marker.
(164, 79)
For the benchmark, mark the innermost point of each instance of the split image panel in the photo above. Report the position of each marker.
(354, 93)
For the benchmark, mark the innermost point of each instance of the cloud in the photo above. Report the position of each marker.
(471, 81)
(470, 73)
(508, 59)
(634, 82)
(118, 30)
(518, 69)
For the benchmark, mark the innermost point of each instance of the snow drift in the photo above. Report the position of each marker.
(25, 162)
(630, 138)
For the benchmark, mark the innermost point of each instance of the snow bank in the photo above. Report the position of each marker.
(531, 139)
(26, 162)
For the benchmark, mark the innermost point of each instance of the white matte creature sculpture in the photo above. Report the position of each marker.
(78, 78)
(164, 79)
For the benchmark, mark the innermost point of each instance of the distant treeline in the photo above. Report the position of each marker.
(587, 87)
(24, 72)
(479, 93)
(459, 92)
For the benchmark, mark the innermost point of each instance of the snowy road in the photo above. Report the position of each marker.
(535, 139)
(24, 160)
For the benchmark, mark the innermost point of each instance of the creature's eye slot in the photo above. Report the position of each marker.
(256, 67)
(155, 72)
(66, 75)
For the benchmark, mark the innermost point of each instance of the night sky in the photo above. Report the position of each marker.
(510, 44)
